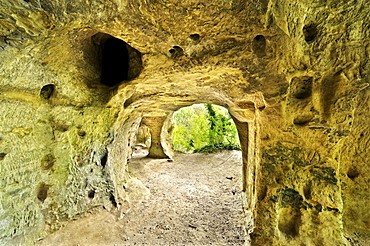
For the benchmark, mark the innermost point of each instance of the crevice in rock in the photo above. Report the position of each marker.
(328, 93)
(112, 199)
(262, 193)
(104, 159)
(307, 191)
(128, 102)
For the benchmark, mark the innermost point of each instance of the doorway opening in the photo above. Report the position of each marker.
(197, 198)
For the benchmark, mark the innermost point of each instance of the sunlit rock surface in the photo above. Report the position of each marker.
(294, 75)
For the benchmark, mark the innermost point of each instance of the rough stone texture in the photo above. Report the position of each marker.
(294, 75)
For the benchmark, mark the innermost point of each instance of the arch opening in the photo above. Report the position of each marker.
(197, 194)
(205, 187)
(142, 141)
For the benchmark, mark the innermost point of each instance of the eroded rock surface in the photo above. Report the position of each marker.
(294, 75)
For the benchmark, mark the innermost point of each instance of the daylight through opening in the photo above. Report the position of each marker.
(204, 128)
(197, 196)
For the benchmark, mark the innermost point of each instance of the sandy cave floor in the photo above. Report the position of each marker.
(194, 200)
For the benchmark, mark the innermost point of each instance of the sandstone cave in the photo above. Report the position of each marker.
(80, 79)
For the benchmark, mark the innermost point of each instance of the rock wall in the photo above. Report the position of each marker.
(294, 75)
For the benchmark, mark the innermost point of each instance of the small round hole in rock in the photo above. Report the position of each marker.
(194, 38)
(81, 133)
(2, 156)
(352, 173)
(91, 194)
(176, 52)
(47, 91)
(42, 192)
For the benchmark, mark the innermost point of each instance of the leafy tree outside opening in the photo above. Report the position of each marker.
(204, 128)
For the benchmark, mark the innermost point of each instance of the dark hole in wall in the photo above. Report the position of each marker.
(2, 156)
(81, 133)
(259, 45)
(91, 194)
(42, 192)
(113, 200)
(309, 32)
(194, 38)
(47, 91)
(128, 102)
(352, 173)
(115, 62)
(176, 52)
(120, 61)
(104, 160)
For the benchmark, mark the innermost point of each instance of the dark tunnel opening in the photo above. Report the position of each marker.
(115, 59)
(115, 62)
(259, 46)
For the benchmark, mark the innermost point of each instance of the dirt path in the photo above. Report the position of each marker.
(194, 200)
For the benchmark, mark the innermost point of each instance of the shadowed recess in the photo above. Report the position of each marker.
(47, 91)
(119, 62)
(115, 62)
(42, 192)
(309, 32)
(259, 45)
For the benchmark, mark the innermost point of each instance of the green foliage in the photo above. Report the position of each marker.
(204, 128)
